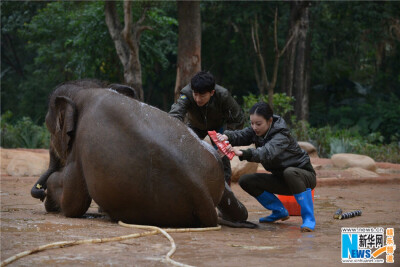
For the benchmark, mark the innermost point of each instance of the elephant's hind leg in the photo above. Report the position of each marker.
(68, 191)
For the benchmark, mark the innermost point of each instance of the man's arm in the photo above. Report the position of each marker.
(179, 109)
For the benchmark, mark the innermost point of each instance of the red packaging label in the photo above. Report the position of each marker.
(221, 145)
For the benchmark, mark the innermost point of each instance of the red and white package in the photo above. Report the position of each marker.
(221, 145)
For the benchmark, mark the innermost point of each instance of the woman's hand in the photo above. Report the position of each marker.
(235, 150)
(222, 137)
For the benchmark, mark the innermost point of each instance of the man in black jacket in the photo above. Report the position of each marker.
(208, 107)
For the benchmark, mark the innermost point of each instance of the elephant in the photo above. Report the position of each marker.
(139, 164)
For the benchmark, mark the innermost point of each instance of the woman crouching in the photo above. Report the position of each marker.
(279, 153)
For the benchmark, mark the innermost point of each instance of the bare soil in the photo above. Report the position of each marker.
(26, 225)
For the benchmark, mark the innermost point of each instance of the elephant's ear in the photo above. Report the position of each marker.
(65, 123)
(124, 90)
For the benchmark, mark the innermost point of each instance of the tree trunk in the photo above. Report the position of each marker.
(189, 43)
(288, 70)
(266, 84)
(296, 79)
(126, 40)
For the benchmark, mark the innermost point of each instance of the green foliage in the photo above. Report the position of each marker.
(364, 114)
(161, 42)
(76, 41)
(60, 41)
(68, 40)
(14, 54)
(355, 67)
(24, 133)
(331, 140)
(282, 104)
(227, 47)
(158, 52)
(381, 153)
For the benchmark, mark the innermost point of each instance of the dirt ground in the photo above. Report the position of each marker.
(26, 225)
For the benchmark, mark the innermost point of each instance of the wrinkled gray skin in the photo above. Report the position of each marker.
(136, 162)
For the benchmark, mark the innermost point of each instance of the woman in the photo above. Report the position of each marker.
(279, 153)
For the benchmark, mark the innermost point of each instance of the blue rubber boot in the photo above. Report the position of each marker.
(271, 202)
(307, 210)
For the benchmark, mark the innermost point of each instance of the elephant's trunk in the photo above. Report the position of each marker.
(38, 190)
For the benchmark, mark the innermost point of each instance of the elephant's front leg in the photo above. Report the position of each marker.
(67, 192)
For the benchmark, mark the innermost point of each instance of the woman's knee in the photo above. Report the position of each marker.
(244, 181)
(290, 172)
(248, 183)
(299, 180)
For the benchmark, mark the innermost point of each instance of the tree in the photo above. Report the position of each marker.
(14, 55)
(189, 43)
(296, 78)
(158, 55)
(228, 53)
(55, 42)
(354, 82)
(262, 78)
(126, 40)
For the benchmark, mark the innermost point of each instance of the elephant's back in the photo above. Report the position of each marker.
(143, 165)
(137, 128)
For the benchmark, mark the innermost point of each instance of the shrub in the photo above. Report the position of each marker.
(332, 140)
(282, 104)
(24, 133)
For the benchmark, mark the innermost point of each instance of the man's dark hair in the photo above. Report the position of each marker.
(262, 109)
(202, 82)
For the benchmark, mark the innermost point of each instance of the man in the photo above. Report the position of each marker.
(208, 107)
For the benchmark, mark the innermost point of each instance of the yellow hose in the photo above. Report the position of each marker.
(154, 231)
(165, 233)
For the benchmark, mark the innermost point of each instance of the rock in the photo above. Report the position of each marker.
(360, 172)
(309, 148)
(353, 160)
(24, 162)
(242, 167)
